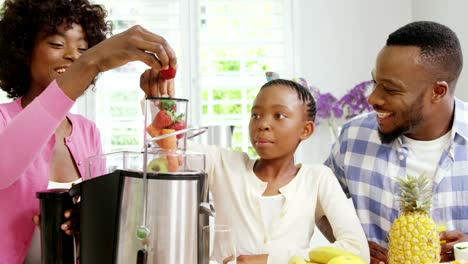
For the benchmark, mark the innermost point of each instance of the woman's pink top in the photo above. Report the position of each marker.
(27, 140)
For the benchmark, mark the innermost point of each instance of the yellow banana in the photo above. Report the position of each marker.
(346, 260)
(297, 260)
(325, 254)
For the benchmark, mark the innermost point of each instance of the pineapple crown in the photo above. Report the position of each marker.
(415, 194)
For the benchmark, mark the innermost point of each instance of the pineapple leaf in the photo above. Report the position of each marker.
(415, 194)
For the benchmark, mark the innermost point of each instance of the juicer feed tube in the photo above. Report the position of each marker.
(143, 231)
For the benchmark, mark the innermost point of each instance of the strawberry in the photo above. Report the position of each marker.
(169, 73)
(179, 125)
(168, 105)
(163, 119)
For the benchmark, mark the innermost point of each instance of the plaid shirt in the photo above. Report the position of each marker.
(366, 169)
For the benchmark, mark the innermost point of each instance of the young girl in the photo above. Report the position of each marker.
(272, 203)
(51, 51)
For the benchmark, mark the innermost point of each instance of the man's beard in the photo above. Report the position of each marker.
(392, 135)
(414, 119)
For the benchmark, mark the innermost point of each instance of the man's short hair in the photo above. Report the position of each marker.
(440, 47)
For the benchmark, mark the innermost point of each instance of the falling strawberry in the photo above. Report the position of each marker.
(163, 119)
(169, 73)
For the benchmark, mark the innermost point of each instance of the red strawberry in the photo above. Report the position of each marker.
(163, 119)
(169, 73)
(179, 125)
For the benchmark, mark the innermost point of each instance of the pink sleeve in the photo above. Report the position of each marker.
(24, 136)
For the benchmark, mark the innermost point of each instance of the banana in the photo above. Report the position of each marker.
(325, 254)
(346, 260)
(297, 260)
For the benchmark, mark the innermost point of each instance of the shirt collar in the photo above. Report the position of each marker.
(460, 120)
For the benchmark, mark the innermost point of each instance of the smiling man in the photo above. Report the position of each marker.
(418, 126)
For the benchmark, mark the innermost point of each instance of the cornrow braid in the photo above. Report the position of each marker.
(302, 93)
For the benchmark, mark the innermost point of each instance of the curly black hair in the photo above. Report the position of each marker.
(439, 46)
(22, 20)
(302, 93)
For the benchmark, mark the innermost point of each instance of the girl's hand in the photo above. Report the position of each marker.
(252, 259)
(154, 85)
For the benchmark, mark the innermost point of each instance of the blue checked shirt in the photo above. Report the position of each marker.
(366, 169)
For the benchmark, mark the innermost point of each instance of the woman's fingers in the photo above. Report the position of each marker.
(71, 225)
(155, 51)
(162, 49)
(134, 44)
(149, 59)
(67, 228)
(37, 220)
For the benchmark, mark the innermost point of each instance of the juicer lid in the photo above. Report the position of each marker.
(175, 176)
(53, 194)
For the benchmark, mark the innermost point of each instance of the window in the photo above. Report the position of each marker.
(223, 46)
(117, 95)
(239, 41)
(3, 97)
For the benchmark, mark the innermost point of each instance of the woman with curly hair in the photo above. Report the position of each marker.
(50, 52)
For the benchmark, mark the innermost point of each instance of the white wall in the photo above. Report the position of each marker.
(335, 48)
(452, 13)
(336, 44)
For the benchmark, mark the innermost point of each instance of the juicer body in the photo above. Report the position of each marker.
(111, 213)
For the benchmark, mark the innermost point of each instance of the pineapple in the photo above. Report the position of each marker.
(413, 237)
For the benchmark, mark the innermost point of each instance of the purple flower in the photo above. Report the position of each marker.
(355, 101)
(351, 104)
(326, 104)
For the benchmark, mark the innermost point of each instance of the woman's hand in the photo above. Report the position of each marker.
(451, 238)
(72, 224)
(134, 44)
(37, 220)
(154, 85)
(252, 259)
